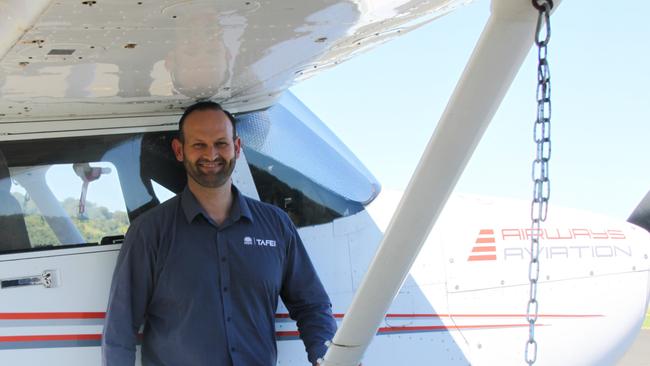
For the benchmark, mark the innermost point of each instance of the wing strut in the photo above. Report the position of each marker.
(502, 48)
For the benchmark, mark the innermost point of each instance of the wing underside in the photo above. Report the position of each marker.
(109, 58)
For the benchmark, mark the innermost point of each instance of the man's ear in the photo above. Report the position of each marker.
(237, 143)
(177, 146)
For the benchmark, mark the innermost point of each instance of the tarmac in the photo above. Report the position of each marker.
(639, 353)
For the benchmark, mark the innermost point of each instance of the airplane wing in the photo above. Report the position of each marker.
(70, 59)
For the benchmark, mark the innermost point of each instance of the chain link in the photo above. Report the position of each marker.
(541, 182)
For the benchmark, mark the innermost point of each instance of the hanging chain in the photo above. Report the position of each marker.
(542, 184)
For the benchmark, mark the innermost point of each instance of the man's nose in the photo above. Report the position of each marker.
(212, 152)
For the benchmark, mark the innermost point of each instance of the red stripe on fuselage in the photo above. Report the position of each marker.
(55, 337)
(484, 249)
(43, 316)
(485, 240)
(482, 258)
(99, 315)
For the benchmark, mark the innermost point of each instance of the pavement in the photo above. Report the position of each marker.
(639, 353)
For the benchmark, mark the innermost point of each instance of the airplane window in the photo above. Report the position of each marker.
(301, 167)
(67, 204)
(306, 202)
(82, 190)
(74, 190)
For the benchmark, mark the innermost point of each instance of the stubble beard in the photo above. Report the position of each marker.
(210, 180)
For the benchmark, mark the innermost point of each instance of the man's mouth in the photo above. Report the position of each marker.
(210, 165)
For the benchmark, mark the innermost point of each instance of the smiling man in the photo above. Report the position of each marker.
(203, 271)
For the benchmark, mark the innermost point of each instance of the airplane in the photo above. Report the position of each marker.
(91, 95)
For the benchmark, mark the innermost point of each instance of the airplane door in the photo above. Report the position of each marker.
(60, 237)
(53, 305)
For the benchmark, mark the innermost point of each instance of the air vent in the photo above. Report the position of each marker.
(60, 52)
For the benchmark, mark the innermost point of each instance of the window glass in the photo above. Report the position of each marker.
(65, 204)
(42, 205)
(289, 133)
(300, 166)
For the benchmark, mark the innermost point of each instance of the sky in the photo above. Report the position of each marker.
(384, 105)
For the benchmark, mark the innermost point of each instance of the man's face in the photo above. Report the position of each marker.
(208, 151)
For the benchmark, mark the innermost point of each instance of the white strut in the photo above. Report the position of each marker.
(502, 48)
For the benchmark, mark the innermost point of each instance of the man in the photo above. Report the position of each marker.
(203, 271)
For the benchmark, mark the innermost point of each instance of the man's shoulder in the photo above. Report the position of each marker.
(147, 230)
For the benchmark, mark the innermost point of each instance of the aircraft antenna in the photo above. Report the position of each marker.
(541, 182)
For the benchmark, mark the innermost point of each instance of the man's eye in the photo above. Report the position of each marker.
(199, 146)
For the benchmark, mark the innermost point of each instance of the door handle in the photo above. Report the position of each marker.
(48, 279)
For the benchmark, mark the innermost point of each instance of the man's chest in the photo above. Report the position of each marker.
(243, 259)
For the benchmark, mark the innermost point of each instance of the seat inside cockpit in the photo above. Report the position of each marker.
(13, 231)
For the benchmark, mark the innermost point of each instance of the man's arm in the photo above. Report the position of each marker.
(130, 291)
(305, 298)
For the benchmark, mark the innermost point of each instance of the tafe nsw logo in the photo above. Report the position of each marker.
(259, 242)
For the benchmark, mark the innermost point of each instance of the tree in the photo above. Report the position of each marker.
(98, 222)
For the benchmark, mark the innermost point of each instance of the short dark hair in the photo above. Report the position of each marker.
(203, 106)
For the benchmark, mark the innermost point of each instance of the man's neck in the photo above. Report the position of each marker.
(215, 201)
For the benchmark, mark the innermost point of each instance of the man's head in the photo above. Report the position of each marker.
(204, 106)
(207, 144)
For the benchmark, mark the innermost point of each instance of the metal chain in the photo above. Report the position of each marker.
(541, 182)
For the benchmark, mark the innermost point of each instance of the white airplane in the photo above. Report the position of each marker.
(91, 92)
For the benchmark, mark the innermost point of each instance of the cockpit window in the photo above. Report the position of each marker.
(299, 165)
(289, 133)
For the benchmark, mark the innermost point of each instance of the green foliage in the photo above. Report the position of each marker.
(97, 222)
(646, 322)
(39, 231)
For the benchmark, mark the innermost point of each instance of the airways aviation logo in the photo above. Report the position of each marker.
(556, 243)
(484, 248)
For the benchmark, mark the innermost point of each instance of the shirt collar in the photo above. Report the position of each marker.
(192, 207)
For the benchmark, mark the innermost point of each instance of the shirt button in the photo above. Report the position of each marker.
(233, 349)
(225, 289)
(223, 259)
(228, 319)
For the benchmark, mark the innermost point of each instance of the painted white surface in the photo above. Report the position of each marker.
(152, 57)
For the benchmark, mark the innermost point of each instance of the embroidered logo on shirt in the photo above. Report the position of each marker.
(265, 243)
(259, 242)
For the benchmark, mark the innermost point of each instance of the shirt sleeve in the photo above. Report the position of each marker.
(129, 294)
(305, 298)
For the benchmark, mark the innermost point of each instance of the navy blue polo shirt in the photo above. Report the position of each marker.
(207, 294)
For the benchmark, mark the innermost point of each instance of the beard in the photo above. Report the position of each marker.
(210, 179)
